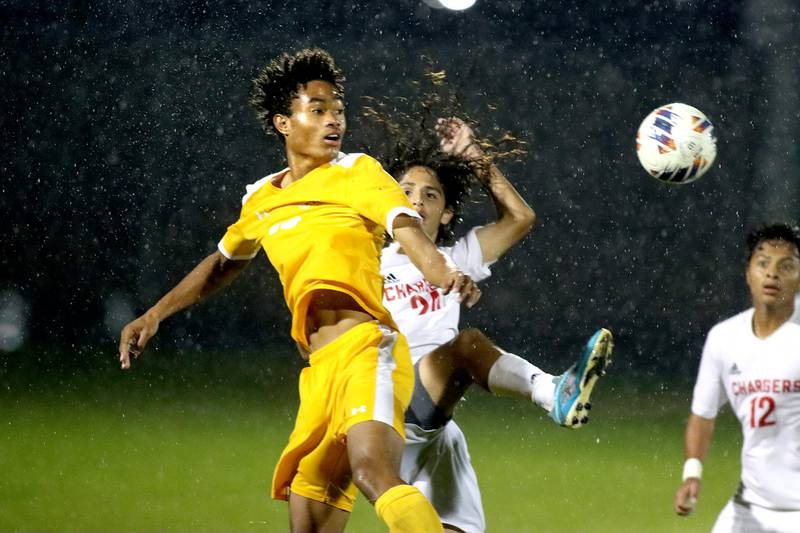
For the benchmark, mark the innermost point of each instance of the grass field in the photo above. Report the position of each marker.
(169, 448)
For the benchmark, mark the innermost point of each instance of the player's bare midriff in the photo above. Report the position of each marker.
(330, 314)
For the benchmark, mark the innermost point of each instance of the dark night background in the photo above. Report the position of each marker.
(127, 143)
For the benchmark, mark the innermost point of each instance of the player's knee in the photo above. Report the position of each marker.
(373, 476)
(468, 342)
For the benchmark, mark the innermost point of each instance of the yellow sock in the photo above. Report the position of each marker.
(406, 510)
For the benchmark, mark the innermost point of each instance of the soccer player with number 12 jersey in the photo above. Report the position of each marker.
(752, 360)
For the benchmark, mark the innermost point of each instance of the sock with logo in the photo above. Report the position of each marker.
(406, 510)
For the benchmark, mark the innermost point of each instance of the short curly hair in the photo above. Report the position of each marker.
(780, 231)
(277, 83)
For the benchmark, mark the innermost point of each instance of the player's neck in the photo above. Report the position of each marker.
(767, 319)
(299, 166)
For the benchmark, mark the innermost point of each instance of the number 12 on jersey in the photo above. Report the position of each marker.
(761, 408)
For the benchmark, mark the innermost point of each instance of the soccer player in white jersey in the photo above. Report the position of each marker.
(752, 360)
(436, 179)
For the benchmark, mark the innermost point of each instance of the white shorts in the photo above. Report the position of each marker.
(747, 518)
(437, 462)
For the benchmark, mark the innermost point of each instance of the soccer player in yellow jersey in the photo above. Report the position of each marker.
(321, 222)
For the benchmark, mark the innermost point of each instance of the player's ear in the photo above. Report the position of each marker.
(281, 123)
(447, 216)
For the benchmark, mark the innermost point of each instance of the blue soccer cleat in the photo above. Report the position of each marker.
(573, 387)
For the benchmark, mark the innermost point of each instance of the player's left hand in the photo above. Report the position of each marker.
(457, 138)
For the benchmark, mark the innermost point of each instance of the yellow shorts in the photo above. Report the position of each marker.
(365, 374)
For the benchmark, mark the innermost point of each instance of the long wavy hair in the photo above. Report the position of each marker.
(406, 138)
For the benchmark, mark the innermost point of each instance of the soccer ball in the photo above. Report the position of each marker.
(676, 143)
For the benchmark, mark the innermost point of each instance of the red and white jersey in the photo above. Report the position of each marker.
(424, 315)
(761, 380)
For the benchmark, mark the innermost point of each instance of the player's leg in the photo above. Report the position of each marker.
(471, 357)
(307, 515)
(436, 459)
(375, 450)
(378, 381)
(437, 462)
(352, 399)
(313, 461)
(313, 472)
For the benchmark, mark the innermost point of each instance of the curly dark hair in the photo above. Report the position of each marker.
(277, 83)
(780, 231)
(409, 140)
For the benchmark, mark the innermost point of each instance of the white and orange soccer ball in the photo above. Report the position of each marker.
(676, 143)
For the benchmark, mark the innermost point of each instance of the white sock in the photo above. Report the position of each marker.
(544, 391)
(511, 375)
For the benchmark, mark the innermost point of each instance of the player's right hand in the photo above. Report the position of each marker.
(686, 496)
(134, 337)
(456, 138)
(468, 291)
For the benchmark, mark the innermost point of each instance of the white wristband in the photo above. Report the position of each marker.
(692, 468)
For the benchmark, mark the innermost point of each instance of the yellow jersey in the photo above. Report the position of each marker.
(323, 231)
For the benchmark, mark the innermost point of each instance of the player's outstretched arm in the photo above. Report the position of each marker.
(435, 265)
(697, 441)
(212, 273)
(515, 217)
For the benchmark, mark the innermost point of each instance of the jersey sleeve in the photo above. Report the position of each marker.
(237, 243)
(376, 195)
(467, 254)
(709, 391)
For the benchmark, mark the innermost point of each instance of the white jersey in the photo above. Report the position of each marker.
(761, 380)
(796, 316)
(424, 315)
